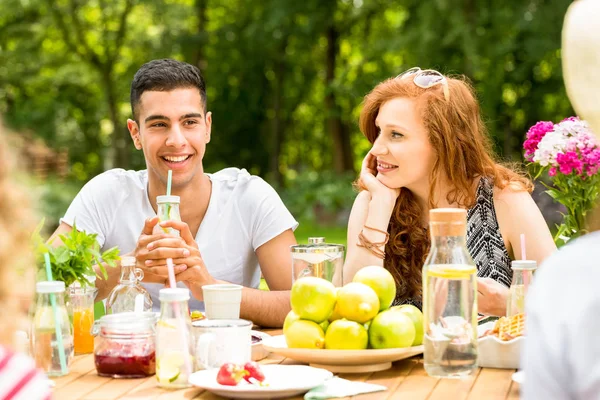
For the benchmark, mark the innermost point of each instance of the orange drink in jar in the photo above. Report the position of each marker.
(83, 319)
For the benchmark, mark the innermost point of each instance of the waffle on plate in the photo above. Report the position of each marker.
(508, 328)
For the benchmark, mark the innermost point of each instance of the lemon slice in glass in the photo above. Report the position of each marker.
(168, 367)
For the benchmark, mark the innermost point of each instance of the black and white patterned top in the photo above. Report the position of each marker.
(484, 240)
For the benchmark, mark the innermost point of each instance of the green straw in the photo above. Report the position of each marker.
(169, 182)
(61, 346)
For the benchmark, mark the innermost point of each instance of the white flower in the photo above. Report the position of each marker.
(551, 144)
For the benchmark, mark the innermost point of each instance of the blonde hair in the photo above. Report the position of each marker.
(464, 153)
(16, 255)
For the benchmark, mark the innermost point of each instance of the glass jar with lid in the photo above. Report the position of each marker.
(52, 335)
(125, 345)
(168, 210)
(522, 277)
(320, 259)
(129, 295)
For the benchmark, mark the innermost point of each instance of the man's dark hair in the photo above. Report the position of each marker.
(163, 76)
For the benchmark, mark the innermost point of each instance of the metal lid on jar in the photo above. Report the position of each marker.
(126, 322)
(174, 294)
(528, 265)
(317, 245)
(50, 287)
(167, 199)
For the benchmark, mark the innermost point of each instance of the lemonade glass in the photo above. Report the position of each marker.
(168, 210)
(174, 339)
(522, 277)
(81, 308)
(45, 343)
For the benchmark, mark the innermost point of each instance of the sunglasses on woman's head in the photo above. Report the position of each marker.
(426, 78)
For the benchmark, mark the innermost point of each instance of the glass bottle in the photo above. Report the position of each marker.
(51, 326)
(81, 310)
(129, 292)
(174, 339)
(168, 210)
(522, 276)
(449, 298)
(125, 345)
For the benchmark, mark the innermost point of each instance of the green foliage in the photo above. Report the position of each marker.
(265, 63)
(74, 258)
(322, 197)
(54, 197)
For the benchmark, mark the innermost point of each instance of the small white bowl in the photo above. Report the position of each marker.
(258, 350)
(496, 353)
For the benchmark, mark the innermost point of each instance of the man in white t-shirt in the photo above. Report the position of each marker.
(234, 224)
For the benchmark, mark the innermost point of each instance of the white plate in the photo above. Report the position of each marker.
(519, 377)
(349, 361)
(284, 381)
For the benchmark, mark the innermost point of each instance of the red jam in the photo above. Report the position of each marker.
(125, 367)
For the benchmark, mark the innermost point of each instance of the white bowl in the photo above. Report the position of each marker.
(496, 353)
(258, 350)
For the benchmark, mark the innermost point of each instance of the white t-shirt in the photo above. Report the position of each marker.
(244, 213)
(561, 352)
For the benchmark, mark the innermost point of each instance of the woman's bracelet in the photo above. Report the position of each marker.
(373, 247)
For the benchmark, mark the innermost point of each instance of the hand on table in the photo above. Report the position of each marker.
(492, 297)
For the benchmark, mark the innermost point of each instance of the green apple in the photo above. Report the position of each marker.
(417, 318)
(346, 335)
(313, 298)
(324, 325)
(391, 329)
(381, 281)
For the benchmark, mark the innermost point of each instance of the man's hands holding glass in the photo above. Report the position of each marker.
(153, 249)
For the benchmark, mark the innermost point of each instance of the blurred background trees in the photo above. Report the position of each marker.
(285, 79)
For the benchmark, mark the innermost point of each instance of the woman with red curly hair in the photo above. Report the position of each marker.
(430, 149)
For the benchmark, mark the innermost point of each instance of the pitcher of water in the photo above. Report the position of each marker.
(319, 259)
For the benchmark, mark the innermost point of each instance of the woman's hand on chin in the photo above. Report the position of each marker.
(492, 297)
(376, 188)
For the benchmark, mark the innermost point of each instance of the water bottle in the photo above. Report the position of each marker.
(449, 298)
(522, 276)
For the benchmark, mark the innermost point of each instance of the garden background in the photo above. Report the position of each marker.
(285, 81)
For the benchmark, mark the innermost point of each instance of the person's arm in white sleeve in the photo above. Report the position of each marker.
(561, 352)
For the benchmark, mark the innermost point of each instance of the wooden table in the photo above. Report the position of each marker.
(405, 380)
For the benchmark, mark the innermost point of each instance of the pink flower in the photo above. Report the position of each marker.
(552, 171)
(568, 162)
(534, 135)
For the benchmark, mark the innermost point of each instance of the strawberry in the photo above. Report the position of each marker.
(231, 374)
(254, 372)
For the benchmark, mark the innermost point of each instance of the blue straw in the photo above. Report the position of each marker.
(61, 346)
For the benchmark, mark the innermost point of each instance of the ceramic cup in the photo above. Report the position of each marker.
(221, 341)
(222, 301)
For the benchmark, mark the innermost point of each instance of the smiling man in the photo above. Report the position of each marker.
(234, 224)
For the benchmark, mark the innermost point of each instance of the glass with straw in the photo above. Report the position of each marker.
(522, 275)
(52, 333)
(174, 357)
(168, 207)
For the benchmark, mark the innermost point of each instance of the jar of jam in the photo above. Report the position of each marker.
(125, 345)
